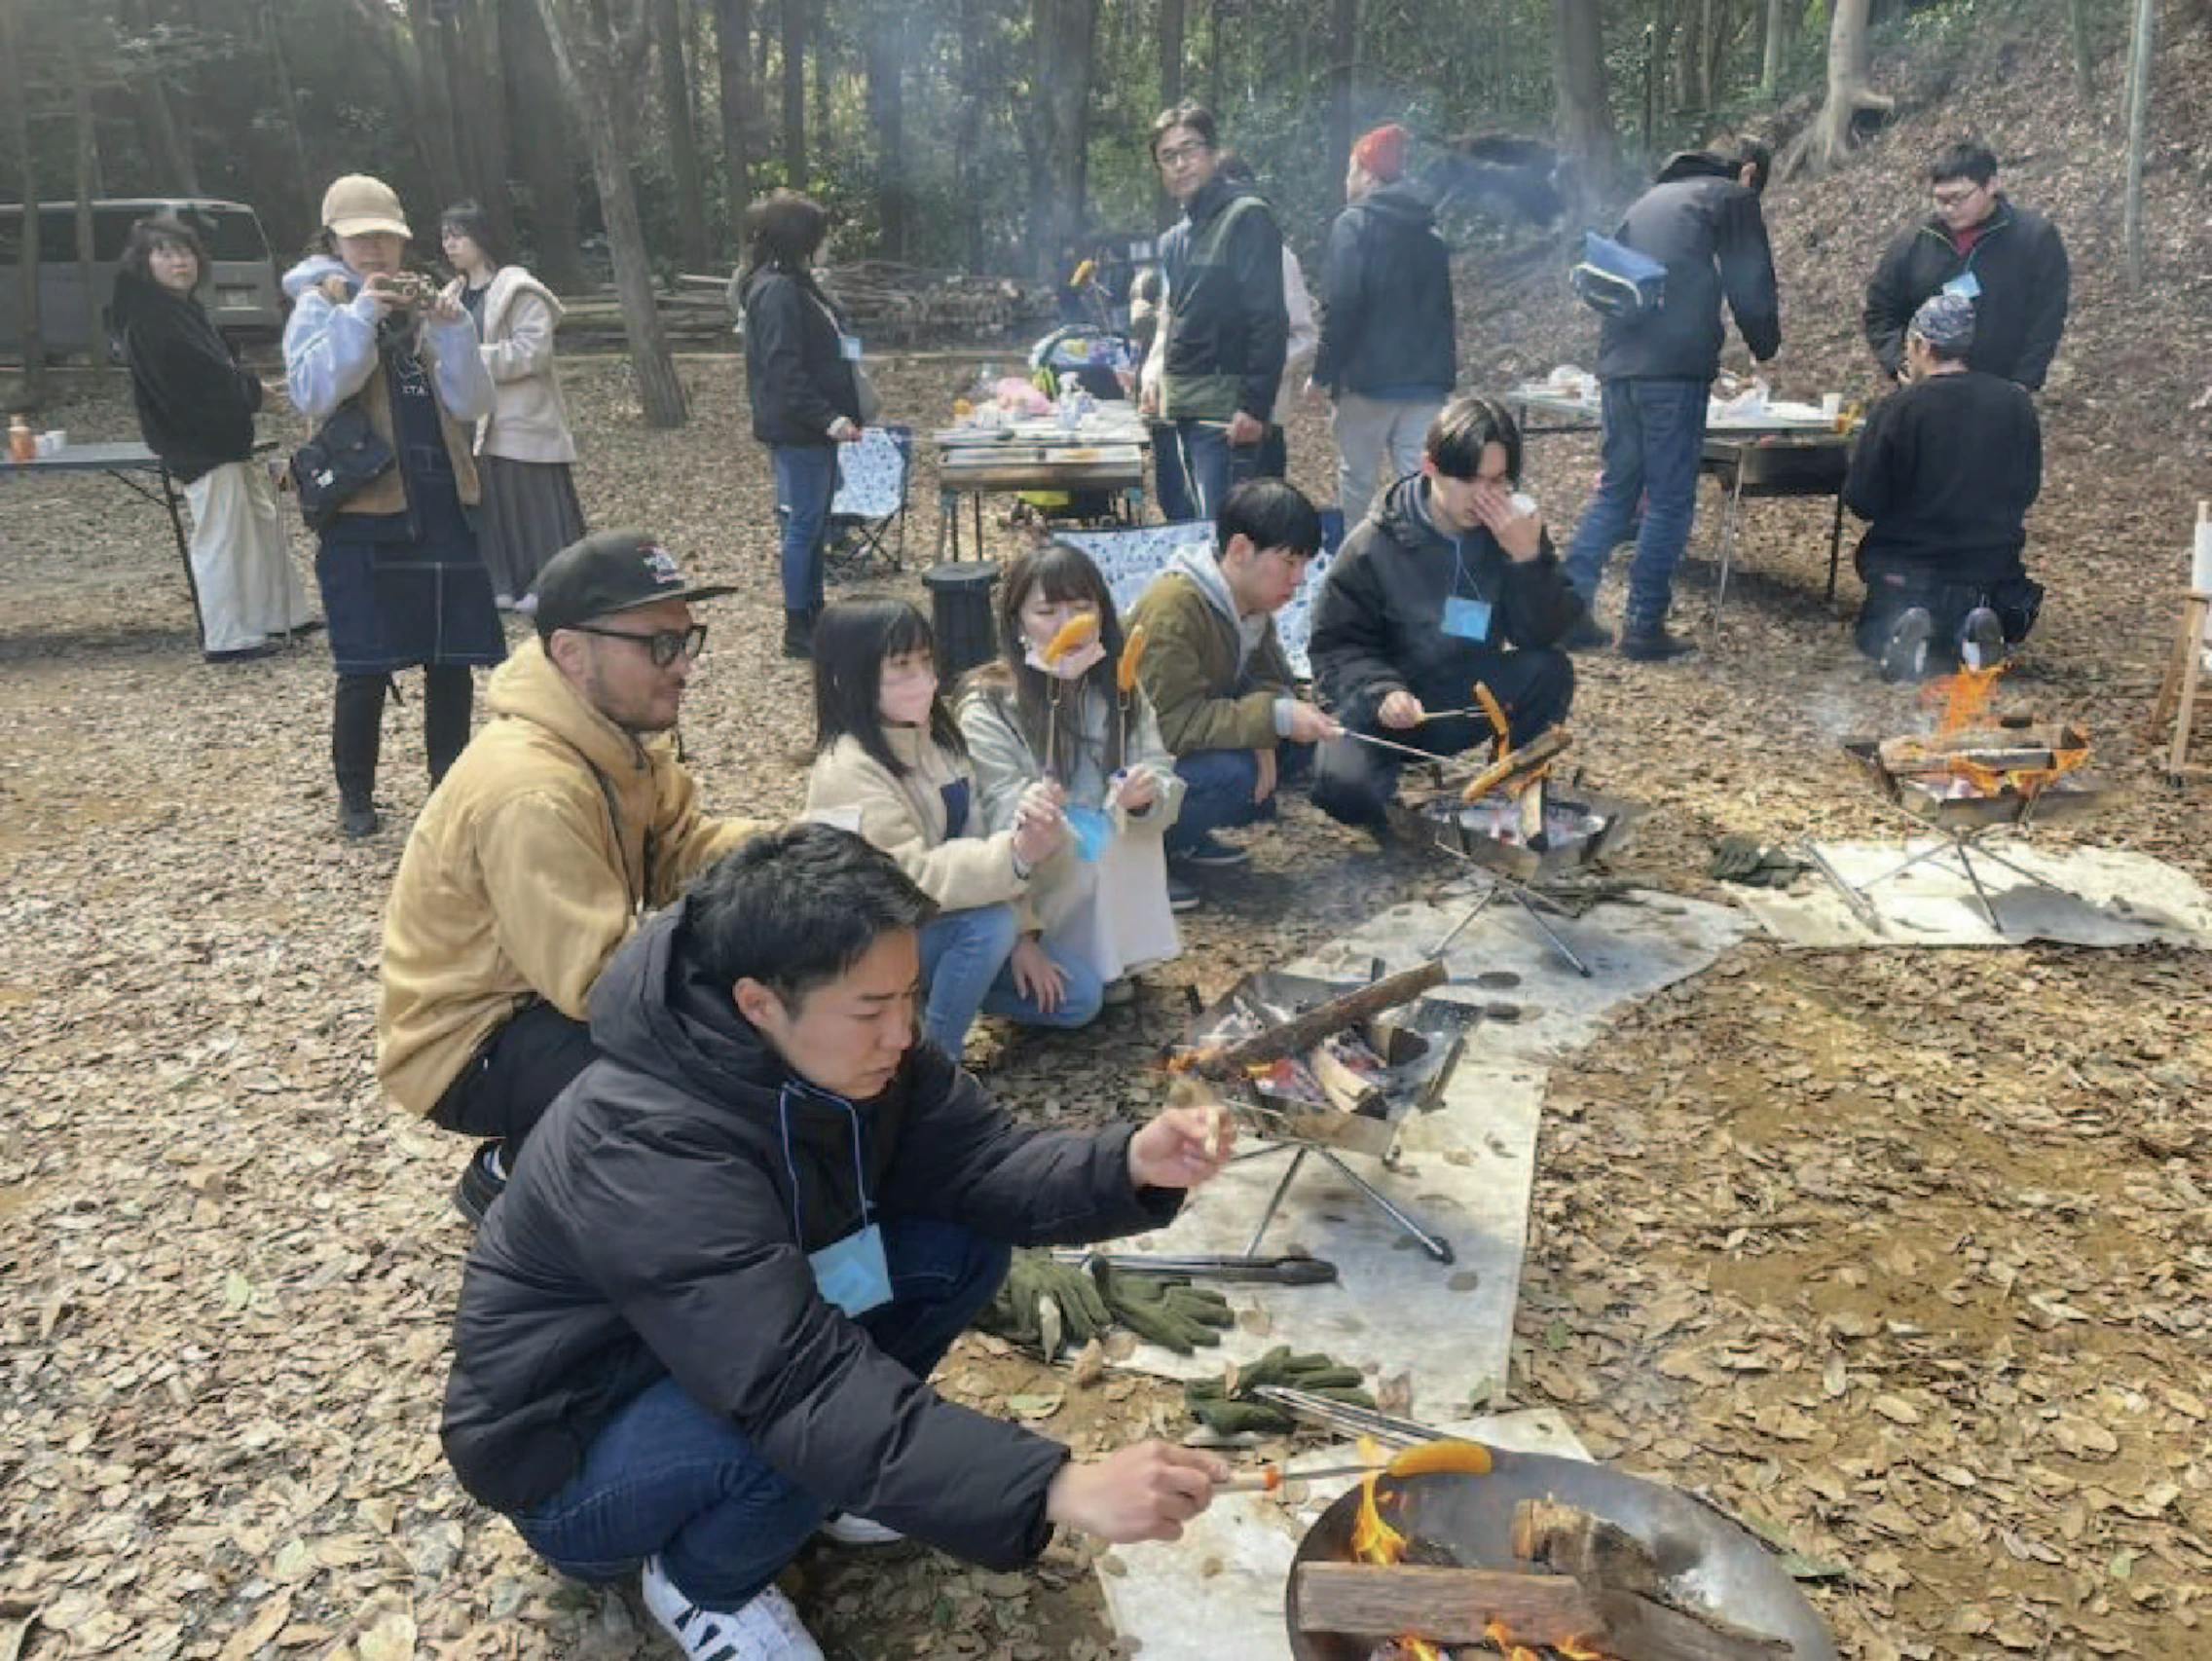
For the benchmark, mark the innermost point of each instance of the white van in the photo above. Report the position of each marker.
(240, 293)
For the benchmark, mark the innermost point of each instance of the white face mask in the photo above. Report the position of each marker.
(1071, 666)
(908, 699)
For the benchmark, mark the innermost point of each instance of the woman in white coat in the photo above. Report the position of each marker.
(523, 449)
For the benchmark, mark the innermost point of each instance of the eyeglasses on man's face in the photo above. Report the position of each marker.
(664, 646)
(1956, 196)
(1175, 155)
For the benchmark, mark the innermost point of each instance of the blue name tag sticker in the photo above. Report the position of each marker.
(849, 348)
(1965, 285)
(1466, 619)
(853, 1272)
(1092, 829)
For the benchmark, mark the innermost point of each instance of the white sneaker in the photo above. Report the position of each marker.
(847, 1529)
(765, 1629)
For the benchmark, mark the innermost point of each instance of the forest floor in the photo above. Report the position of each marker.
(1905, 1256)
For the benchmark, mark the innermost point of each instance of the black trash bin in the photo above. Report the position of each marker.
(961, 613)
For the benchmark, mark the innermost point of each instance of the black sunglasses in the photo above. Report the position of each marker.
(664, 647)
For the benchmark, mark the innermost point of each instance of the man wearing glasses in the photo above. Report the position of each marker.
(1227, 327)
(565, 820)
(2006, 260)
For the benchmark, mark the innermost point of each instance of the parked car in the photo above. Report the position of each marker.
(241, 292)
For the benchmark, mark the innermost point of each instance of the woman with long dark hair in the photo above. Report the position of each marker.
(891, 765)
(800, 377)
(524, 449)
(1045, 715)
(402, 584)
(196, 408)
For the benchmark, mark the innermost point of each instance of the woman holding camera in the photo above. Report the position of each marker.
(402, 582)
(196, 408)
(523, 452)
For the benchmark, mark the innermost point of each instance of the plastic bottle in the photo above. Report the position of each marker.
(22, 442)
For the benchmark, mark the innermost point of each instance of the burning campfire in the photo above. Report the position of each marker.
(1973, 754)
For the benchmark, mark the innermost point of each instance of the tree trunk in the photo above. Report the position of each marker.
(1063, 34)
(547, 161)
(1824, 144)
(13, 15)
(2085, 62)
(1172, 17)
(88, 187)
(602, 47)
(2139, 66)
(886, 57)
(683, 134)
(1781, 35)
(968, 127)
(1344, 50)
(166, 145)
(794, 93)
(484, 96)
(433, 101)
(301, 183)
(1709, 27)
(825, 66)
(1213, 55)
(1585, 130)
(733, 34)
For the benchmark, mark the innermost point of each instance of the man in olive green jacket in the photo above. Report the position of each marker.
(1215, 671)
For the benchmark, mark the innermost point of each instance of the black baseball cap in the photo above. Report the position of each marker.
(611, 571)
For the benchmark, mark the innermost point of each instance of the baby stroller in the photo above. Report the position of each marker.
(1094, 359)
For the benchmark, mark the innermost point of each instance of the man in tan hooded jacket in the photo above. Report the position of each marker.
(564, 822)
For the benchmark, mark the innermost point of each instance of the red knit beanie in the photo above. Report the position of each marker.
(1382, 153)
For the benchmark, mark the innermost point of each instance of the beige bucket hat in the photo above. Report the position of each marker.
(359, 205)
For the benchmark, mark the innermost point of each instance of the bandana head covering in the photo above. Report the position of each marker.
(1945, 321)
(1381, 154)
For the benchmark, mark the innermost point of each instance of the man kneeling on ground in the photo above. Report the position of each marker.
(1215, 672)
(1451, 581)
(698, 1328)
(1945, 473)
(563, 821)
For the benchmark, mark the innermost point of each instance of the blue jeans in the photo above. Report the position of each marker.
(964, 964)
(1213, 466)
(666, 1476)
(1654, 439)
(1218, 787)
(806, 479)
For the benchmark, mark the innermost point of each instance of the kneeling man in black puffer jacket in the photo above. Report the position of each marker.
(698, 1325)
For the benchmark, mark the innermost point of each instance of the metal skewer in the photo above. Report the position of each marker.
(1429, 755)
(1268, 1478)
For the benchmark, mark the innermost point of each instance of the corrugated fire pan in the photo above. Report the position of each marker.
(1605, 827)
(2075, 795)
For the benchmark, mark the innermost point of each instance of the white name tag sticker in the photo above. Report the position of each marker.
(836, 818)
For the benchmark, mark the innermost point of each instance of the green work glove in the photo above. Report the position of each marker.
(1172, 1314)
(1019, 1315)
(1238, 1413)
(1759, 865)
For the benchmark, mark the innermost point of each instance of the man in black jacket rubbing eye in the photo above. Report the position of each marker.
(699, 1325)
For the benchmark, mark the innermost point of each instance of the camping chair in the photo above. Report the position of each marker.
(871, 502)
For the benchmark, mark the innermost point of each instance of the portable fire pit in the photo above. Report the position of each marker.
(1321, 1087)
(1518, 840)
(1540, 1557)
(1976, 776)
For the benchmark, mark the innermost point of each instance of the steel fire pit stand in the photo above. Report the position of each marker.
(1964, 845)
(1529, 899)
(1436, 1246)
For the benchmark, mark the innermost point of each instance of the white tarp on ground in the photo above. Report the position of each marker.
(2105, 896)
(1217, 1594)
(1465, 1170)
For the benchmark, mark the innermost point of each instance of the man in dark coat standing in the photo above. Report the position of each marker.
(2007, 261)
(1702, 221)
(698, 1327)
(1450, 581)
(1388, 354)
(1228, 325)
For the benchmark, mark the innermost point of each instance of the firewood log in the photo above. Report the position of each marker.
(1302, 1032)
(1604, 1556)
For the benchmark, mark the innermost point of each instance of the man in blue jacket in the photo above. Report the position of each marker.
(1388, 354)
(699, 1326)
(1702, 221)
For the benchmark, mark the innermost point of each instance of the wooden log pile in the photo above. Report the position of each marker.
(886, 304)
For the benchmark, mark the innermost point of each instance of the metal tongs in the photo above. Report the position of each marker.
(1347, 1420)
(1294, 1270)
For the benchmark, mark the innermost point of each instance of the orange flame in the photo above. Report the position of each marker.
(1964, 697)
(1374, 1540)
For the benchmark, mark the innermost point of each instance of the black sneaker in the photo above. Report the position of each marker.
(1210, 852)
(1904, 656)
(798, 635)
(1653, 644)
(1981, 642)
(482, 1180)
(1587, 635)
(1182, 896)
(359, 821)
